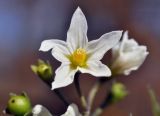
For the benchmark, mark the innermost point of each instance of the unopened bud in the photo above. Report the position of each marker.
(43, 70)
(118, 92)
(18, 105)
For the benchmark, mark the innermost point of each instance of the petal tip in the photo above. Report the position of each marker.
(37, 109)
(40, 49)
(45, 46)
(147, 53)
(109, 74)
(53, 86)
(78, 9)
(126, 32)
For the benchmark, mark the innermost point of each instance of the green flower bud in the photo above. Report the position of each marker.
(18, 105)
(43, 70)
(118, 92)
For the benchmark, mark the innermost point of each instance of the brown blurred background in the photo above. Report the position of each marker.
(25, 23)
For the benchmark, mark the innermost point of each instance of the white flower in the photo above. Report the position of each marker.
(127, 56)
(77, 54)
(40, 110)
(72, 111)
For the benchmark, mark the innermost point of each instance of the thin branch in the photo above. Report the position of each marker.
(77, 86)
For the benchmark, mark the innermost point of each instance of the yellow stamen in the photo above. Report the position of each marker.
(78, 58)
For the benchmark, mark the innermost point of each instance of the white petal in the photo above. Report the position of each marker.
(40, 110)
(96, 68)
(115, 51)
(72, 110)
(77, 33)
(59, 49)
(64, 76)
(97, 48)
(130, 60)
(127, 45)
(128, 71)
(135, 59)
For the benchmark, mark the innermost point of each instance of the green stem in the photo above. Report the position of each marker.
(94, 91)
(104, 104)
(77, 85)
(92, 95)
(98, 112)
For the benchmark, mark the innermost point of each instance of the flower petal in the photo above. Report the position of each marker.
(64, 76)
(77, 33)
(127, 45)
(135, 59)
(59, 49)
(72, 110)
(97, 69)
(129, 61)
(97, 48)
(127, 56)
(115, 51)
(40, 110)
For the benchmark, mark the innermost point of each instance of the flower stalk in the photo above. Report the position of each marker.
(116, 94)
(78, 89)
(63, 99)
(92, 95)
(94, 91)
(98, 112)
(104, 104)
(44, 72)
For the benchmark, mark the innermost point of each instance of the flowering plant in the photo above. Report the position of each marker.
(79, 55)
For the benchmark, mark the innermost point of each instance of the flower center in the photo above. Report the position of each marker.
(79, 57)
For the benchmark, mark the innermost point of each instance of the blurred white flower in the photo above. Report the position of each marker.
(77, 54)
(127, 56)
(40, 110)
(72, 111)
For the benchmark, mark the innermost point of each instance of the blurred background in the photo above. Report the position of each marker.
(24, 24)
